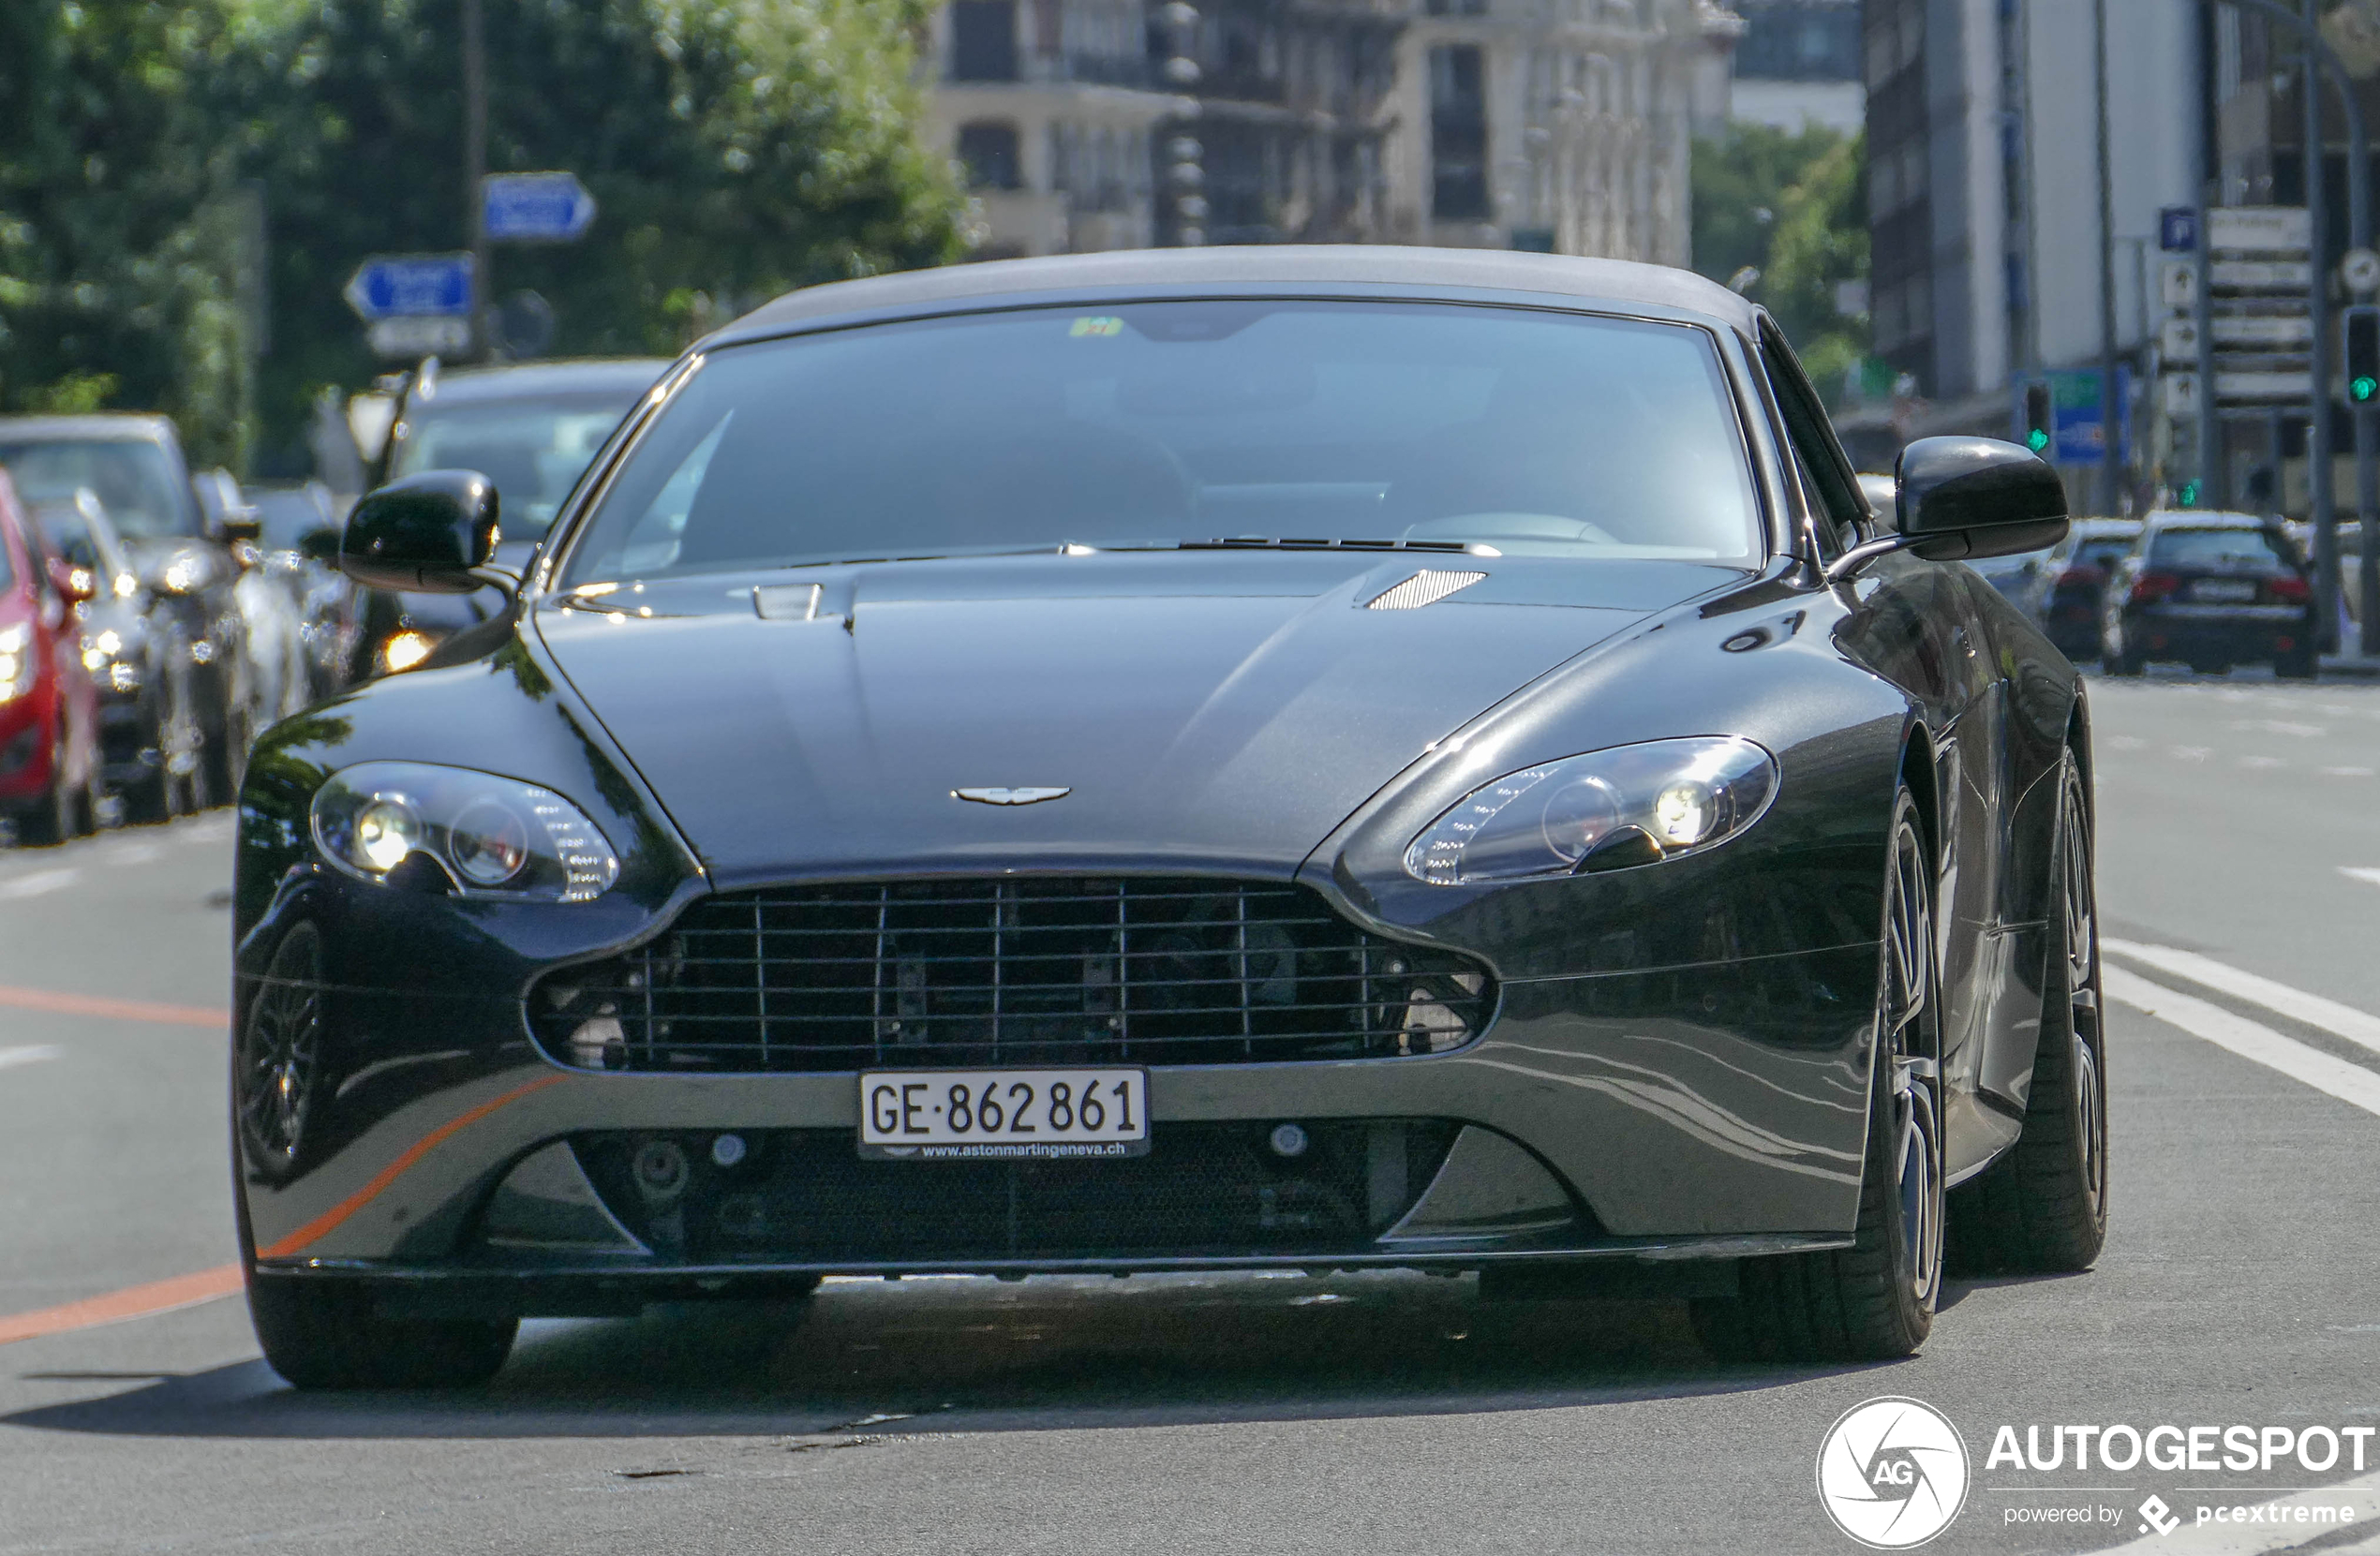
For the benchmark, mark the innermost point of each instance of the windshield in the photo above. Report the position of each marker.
(135, 478)
(2236, 550)
(1152, 424)
(534, 451)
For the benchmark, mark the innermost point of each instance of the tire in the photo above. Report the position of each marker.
(2043, 1206)
(325, 1334)
(2126, 663)
(50, 819)
(278, 1063)
(1874, 1300)
(2295, 665)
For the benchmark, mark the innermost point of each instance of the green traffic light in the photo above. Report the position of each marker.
(2037, 439)
(2189, 493)
(2362, 389)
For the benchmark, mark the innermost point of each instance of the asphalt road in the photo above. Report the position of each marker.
(2241, 874)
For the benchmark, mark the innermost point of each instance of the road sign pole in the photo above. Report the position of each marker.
(475, 162)
(2111, 456)
(2321, 506)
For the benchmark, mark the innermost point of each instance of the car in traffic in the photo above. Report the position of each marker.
(531, 429)
(1235, 759)
(2077, 572)
(147, 728)
(182, 556)
(50, 778)
(2212, 590)
(298, 539)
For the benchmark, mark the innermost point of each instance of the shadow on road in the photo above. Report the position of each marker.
(972, 1355)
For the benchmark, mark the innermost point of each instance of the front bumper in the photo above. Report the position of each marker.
(1671, 1113)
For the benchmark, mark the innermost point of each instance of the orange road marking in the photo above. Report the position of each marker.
(114, 1010)
(182, 1291)
(322, 1225)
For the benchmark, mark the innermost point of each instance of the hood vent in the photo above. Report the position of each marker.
(1426, 587)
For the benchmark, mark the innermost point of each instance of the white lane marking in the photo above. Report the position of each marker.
(2361, 872)
(2123, 743)
(32, 1054)
(39, 883)
(2350, 1083)
(2262, 762)
(2278, 726)
(2295, 1003)
(2277, 1531)
(2193, 753)
(132, 854)
(2347, 772)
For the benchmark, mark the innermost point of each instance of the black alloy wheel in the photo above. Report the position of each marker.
(2043, 1206)
(1876, 1300)
(50, 819)
(281, 1056)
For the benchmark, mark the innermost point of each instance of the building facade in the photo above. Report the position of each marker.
(1557, 124)
(1797, 64)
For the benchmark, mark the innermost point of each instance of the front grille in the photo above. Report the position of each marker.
(804, 1197)
(1012, 971)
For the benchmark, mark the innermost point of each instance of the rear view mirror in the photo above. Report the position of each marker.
(426, 533)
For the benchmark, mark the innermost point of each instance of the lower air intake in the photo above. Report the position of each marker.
(1009, 971)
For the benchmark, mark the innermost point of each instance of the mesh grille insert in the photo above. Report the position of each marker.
(1009, 971)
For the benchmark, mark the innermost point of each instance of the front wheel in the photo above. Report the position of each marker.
(1874, 1300)
(325, 1333)
(2043, 1206)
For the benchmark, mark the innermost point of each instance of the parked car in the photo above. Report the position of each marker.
(2075, 576)
(51, 777)
(300, 541)
(2022, 580)
(146, 733)
(2212, 590)
(180, 555)
(532, 431)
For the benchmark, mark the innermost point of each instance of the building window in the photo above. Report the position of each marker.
(983, 40)
(988, 152)
(1458, 135)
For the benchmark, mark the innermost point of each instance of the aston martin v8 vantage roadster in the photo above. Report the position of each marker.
(1216, 760)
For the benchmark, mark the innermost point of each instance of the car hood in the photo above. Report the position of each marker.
(1200, 711)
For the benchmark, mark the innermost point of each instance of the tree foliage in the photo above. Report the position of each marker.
(1791, 205)
(737, 148)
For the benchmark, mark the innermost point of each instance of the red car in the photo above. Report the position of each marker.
(51, 779)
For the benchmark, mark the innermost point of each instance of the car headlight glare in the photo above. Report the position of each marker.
(490, 835)
(404, 650)
(1631, 804)
(16, 661)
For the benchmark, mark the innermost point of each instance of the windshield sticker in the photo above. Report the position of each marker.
(1097, 324)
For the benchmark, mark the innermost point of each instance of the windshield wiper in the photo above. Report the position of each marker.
(1263, 543)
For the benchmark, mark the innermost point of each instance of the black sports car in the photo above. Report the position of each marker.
(1300, 758)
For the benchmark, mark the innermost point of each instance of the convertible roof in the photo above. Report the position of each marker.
(1617, 282)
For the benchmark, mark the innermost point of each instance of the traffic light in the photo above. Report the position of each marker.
(2361, 327)
(2040, 420)
(2189, 493)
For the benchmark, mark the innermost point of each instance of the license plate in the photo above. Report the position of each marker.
(991, 1115)
(2223, 589)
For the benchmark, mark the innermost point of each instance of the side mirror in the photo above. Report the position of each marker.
(320, 545)
(427, 532)
(1962, 497)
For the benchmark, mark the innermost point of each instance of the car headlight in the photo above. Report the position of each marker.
(16, 661)
(491, 837)
(1632, 804)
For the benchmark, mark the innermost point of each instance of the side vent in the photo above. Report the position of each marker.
(1426, 587)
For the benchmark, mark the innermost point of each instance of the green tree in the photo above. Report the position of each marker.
(737, 148)
(1792, 206)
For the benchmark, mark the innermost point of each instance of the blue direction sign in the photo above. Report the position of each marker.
(412, 285)
(535, 207)
(2178, 229)
(2080, 436)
